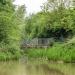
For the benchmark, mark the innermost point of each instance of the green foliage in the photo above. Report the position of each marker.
(56, 23)
(10, 29)
(4, 56)
(56, 20)
(6, 6)
(59, 52)
(50, 24)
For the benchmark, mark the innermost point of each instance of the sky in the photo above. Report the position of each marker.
(32, 6)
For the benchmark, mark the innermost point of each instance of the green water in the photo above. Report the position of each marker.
(36, 68)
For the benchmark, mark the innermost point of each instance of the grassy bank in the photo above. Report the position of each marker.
(59, 52)
(9, 52)
(5, 56)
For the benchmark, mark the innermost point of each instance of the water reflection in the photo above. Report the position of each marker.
(42, 70)
(19, 68)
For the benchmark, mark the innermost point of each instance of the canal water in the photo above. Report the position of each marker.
(36, 68)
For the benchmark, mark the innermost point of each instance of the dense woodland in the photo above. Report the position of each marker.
(55, 20)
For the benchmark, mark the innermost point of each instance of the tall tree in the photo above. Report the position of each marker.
(55, 4)
(10, 21)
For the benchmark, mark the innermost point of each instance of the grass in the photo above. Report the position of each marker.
(59, 52)
(4, 56)
(9, 52)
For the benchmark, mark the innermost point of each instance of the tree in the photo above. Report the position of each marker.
(55, 4)
(10, 23)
